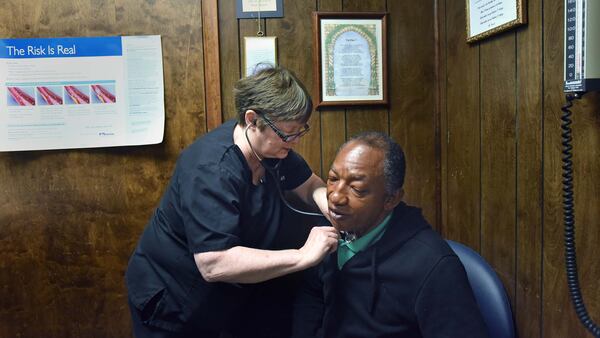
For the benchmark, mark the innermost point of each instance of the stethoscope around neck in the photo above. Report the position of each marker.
(274, 171)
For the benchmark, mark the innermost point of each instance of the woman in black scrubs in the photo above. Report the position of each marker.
(211, 236)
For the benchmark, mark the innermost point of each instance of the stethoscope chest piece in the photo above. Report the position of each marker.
(347, 237)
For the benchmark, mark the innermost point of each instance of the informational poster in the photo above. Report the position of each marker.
(62, 93)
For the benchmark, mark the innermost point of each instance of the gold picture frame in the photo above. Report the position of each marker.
(488, 17)
(350, 58)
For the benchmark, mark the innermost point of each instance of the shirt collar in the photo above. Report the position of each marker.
(367, 239)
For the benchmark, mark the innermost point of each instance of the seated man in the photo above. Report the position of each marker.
(393, 275)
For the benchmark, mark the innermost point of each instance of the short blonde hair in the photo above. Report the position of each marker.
(274, 92)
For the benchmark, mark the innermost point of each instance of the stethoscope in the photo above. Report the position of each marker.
(273, 170)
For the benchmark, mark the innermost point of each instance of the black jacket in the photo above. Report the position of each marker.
(408, 284)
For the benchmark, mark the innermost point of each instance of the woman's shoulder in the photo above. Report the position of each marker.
(212, 148)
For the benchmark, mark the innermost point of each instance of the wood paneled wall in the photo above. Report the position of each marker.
(500, 103)
(479, 124)
(410, 117)
(69, 219)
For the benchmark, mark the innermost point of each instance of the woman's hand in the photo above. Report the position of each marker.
(321, 241)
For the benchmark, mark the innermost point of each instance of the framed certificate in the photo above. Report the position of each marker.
(259, 52)
(488, 17)
(253, 9)
(350, 58)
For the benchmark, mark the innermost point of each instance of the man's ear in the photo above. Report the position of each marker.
(393, 200)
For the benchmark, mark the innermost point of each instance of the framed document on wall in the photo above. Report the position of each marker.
(253, 9)
(350, 58)
(488, 17)
(259, 52)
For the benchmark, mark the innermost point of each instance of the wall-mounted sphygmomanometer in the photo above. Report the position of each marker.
(582, 46)
(582, 74)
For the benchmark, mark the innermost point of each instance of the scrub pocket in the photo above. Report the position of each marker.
(152, 299)
(149, 309)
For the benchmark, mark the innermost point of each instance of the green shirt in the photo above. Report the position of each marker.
(347, 250)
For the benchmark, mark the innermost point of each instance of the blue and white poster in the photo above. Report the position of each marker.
(62, 93)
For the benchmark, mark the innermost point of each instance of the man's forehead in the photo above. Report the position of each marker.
(359, 158)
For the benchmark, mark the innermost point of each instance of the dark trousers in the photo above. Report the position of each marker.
(141, 330)
(266, 315)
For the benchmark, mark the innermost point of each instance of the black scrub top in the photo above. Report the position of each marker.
(210, 204)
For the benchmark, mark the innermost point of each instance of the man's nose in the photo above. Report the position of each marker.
(337, 196)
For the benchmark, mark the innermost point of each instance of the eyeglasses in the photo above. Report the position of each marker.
(283, 136)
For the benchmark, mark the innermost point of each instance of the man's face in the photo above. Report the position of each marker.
(356, 193)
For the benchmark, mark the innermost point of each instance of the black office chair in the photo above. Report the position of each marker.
(489, 292)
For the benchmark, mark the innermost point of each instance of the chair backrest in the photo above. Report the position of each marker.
(489, 292)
